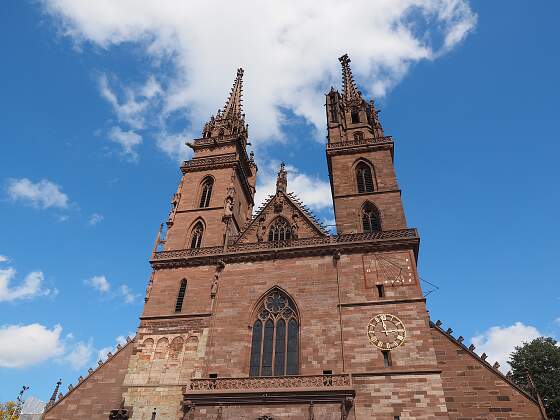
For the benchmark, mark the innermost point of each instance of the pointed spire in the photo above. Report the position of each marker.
(233, 106)
(350, 91)
(282, 180)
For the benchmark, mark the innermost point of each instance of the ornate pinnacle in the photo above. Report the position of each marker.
(282, 180)
(233, 107)
(55, 393)
(350, 91)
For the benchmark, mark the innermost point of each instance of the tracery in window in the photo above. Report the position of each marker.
(196, 238)
(206, 192)
(358, 135)
(280, 230)
(364, 178)
(181, 296)
(371, 222)
(275, 341)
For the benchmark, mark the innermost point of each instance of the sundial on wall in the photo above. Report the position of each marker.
(381, 269)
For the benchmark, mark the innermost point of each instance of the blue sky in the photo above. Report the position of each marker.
(94, 111)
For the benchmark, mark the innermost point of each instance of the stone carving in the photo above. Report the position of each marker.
(295, 225)
(214, 287)
(264, 418)
(120, 414)
(281, 382)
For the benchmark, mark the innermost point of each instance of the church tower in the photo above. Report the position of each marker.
(215, 196)
(367, 198)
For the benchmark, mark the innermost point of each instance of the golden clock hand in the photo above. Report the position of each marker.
(384, 327)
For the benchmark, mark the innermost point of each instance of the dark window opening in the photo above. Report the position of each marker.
(364, 178)
(275, 341)
(327, 372)
(387, 358)
(181, 296)
(197, 233)
(213, 375)
(280, 230)
(370, 218)
(355, 114)
(206, 193)
(397, 418)
(380, 290)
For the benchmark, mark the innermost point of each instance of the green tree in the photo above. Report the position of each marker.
(7, 411)
(541, 357)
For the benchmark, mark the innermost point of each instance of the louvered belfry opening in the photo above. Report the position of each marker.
(364, 178)
(280, 230)
(206, 192)
(371, 221)
(196, 238)
(275, 341)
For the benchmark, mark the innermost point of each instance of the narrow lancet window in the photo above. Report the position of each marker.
(355, 115)
(364, 178)
(196, 238)
(370, 218)
(206, 192)
(181, 296)
(280, 230)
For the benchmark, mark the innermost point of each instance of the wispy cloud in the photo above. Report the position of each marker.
(3, 258)
(127, 294)
(99, 283)
(80, 355)
(128, 140)
(30, 287)
(43, 194)
(289, 66)
(95, 218)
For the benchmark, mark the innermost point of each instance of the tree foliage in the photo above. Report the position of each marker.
(541, 357)
(7, 411)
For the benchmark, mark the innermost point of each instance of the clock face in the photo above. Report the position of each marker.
(386, 331)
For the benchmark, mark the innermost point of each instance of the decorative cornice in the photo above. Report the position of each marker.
(376, 141)
(181, 316)
(365, 194)
(242, 252)
(382, 301)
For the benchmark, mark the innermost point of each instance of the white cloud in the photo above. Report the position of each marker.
(499, 342)
(80, 355)
(173, 145)
(313, 191)
(128, 141)
(25, 345)
(102, 353)
(29, 288)
(42, 194)
(95, 218)
(3, 258)
(99, 283)
(127, 294)
(288, 48)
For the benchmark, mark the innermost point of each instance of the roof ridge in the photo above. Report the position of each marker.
(100, 363)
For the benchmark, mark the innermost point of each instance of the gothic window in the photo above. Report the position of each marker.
(355, 114)
(280, 230)
(181, 296)
(206, 192)
(364, 178)
(358, 135)
(371, 221)
(196, 238)
(275, 342)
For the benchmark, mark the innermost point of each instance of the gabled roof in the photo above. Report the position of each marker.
(269, 210)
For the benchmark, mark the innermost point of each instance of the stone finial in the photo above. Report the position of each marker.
(472, 347)
(127, 339)
(438, 323)
(496, 365)
(483, 356)
(460, 339)
(70, 387)
(80, 379)
(509, 374)
(282, 179)
(100, 362)
(449, 331)
(59, 395)
(119, 346)
(90, 371)
(350, 91)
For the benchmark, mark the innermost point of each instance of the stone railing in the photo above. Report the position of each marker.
(315, 382)
(351, 143)
(383, 236)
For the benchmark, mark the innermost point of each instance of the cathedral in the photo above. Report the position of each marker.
(261, 314)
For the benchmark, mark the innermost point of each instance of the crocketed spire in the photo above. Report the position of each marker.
(350, 91)
(230, 120)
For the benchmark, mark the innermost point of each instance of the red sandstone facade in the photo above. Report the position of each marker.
(268, 316)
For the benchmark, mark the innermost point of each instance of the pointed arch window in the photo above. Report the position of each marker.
(181, 295)
(196, 238)
(364, 178)
(371, 222)
(206, 192)
(275, 341)
(280, 230)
